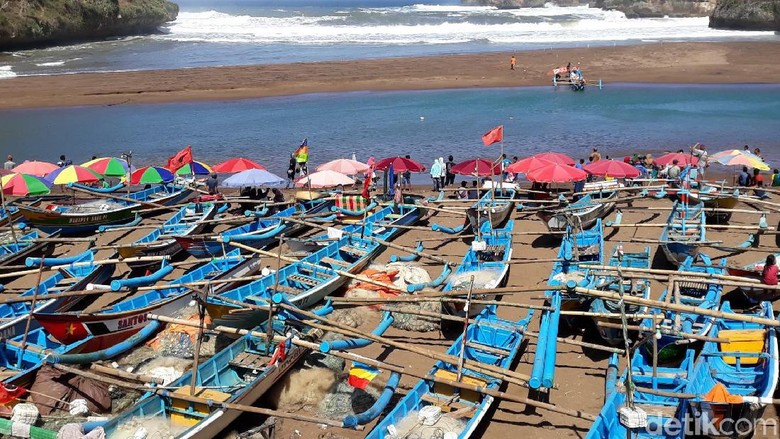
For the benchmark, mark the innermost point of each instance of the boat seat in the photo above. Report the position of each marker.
(315, 272)
(305, 280)
(258, 300)
(488, 349)
(249, 360)
(284, 289)
(465, 395)
(353, 250)
(184, 413)
(392, 216)
(649, 373)
(664, 411)
(743, 340)
(335, 262)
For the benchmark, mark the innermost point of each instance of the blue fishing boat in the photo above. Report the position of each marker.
(259, 233)
(161, 241)
(73, 273)
(579, 249)
(17, 246)
(698, 293)
(664, 414)
(87, 217)
(684, 232)
(306, 282)
(631, 287)
(585, 211)
(733, 382)
(487, 261)
(495, 207)
(119, 321)
(16, 362)
(489, 340)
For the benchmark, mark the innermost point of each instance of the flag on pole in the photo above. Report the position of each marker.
(361, 374)
(302, 153)
(182, 158)
(493, 136)
(367, 183)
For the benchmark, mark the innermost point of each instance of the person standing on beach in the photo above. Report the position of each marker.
(442, 173)
(450, 176)
(595, 156)
(700, 151)
(436, 175)
(212, 183)
(744, 178)
(512, 62)
(10, 163)
(406, 177)
(776, 178)
(291, 170)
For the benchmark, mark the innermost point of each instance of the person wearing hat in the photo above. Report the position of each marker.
(211, 183)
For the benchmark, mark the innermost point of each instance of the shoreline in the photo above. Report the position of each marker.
(661, 63)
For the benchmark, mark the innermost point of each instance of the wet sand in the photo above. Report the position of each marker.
(683, 63)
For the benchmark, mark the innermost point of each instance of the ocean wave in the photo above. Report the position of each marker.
(50, 64)
(6, 72)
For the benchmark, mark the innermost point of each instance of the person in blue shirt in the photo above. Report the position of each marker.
(776, 178)
(744, 178)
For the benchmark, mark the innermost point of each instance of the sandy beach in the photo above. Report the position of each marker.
(683, 63)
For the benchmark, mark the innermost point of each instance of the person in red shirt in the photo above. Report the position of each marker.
(769, 274)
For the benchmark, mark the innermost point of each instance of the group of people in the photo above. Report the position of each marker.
(441, 173)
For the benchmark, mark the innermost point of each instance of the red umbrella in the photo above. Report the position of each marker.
(236, 165)
(527, 164)
(556, 157)
(612, 168)
(400, 164)
(555, 173)
(478, 167)
(682, 159)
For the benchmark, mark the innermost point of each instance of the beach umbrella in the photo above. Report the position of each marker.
(24, 184)
(738, 157)
(236, 165)
(400, 165)
(556, 157)
(322, 179)
(36, 168)
(477, 167)
(683, 159)
(556, 173)
(72, 174)
(254, 178)
(344, 166)
(151, 175)
(196, 168)
(527, 164)
(612, 168)
(108, 166)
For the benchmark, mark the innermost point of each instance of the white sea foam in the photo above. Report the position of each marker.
(50, 64)
(6, 72)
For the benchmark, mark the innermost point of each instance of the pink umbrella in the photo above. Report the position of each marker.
(556, 157)
(478, 167)
(555, 173)
(38, 169)
(321, 179)
(236, 165)
(527, 164)
(682, 159)
(612, 168)
(400, 164)
(344, 166)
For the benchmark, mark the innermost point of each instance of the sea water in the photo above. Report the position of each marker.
(620, 119)
(239, 32)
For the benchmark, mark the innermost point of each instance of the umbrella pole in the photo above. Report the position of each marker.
(8, 214)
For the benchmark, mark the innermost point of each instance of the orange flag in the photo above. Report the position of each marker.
(493, 136)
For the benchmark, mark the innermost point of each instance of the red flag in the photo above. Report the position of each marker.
(367, 183)
(493, 136)
(182, 158)
(9, 392)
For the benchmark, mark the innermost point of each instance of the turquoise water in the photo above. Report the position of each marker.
(619, 119)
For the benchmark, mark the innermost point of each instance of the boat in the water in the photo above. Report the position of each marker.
(487, 261)
(734, 382)
(261, 232)
(161, 241)
(119, 321)
(584, 212)
(612, 282)
(87, 217)
(309, 280)
(495, 207)
(432, 407)
(684, 232)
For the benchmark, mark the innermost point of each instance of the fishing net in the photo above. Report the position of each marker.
(413, 322)
(302, 388)
(410, 427)
(345, 400)
(157, 427)
(351, 317)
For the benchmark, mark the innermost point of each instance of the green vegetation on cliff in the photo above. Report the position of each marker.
(27, 23)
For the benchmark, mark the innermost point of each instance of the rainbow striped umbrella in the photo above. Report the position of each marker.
(200, 168)
(108, 166)
(24, 184)
(151, 175)
(73, 174)
(738, 157)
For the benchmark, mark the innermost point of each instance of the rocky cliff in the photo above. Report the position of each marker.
(35, 23)
(632, 8)
(747, 15)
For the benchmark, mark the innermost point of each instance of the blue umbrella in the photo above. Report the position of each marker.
(254, 177)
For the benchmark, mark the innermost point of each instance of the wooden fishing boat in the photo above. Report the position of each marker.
(74, 274)
(636, 288)
(16, 247)
(489, 340)
(684, 232)
(487, 261)
(584, 212)
(306, 282)
(753, 272)
(693, 293)
(259, 233)
(238, 374)
(735, 381)
(495, 207)
(161, 241)
(716, 198)
(665, 414)
(87, 217)
(113, 324)
(579, 249)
